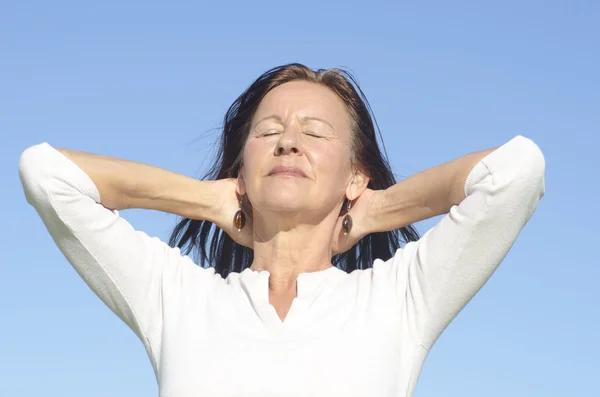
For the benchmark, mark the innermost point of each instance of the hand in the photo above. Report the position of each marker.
(361, 212)
(229, 205)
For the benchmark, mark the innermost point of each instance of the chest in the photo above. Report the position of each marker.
(351, 364)
(344, 342)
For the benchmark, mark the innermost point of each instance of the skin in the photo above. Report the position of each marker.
(295, 218)
(296, 225)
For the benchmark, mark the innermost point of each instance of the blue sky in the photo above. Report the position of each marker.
(150, 81)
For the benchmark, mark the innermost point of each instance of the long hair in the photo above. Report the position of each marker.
(213, 247)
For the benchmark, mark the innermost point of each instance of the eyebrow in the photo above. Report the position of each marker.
(303, 119)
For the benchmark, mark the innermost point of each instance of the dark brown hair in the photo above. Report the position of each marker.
(215, 248)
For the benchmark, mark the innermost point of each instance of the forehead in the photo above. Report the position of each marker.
(303, 98)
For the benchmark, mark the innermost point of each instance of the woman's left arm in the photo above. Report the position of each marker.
(429, 193)
(487, 197)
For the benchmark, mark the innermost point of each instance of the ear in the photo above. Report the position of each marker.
(241, 184)
(358, 184)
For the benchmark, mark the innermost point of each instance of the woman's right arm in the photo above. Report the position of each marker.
(78, 195)
(124, 184)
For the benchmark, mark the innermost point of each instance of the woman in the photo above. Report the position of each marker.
(306, 292)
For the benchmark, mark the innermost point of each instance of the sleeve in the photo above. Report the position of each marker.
(128, 270)
(440, 273)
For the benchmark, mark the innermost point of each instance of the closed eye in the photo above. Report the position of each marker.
(310, 133)
(270, 133)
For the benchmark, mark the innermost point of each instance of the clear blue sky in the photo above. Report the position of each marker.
(149, 81)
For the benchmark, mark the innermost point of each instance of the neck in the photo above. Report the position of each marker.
(288, 251)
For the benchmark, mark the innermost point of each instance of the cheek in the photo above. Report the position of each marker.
(251, 157)
(254, 158)
(332, 163)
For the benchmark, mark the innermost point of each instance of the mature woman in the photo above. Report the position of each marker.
(305, 290)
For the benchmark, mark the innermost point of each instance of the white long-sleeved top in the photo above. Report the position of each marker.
(366, 333)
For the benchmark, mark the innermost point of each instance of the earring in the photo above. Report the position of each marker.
(239, 219)
(347, 221)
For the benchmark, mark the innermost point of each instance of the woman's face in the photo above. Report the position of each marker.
(297, 157)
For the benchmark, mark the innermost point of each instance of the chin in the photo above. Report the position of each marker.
(283, 205)
(282, 201)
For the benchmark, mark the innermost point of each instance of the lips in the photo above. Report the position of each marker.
(287, 170)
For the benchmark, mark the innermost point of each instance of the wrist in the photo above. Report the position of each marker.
(371, 222)
(207, 200)
(398, 206)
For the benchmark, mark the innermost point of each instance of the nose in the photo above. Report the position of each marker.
(288, 143)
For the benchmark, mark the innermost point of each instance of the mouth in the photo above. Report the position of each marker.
(288, 171)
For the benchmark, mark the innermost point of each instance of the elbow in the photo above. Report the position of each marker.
(532, 167)
(537, 169)
(32, 171)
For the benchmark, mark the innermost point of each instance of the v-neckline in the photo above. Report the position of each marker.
(256, 286)
(284, 302)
